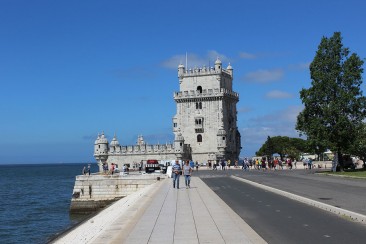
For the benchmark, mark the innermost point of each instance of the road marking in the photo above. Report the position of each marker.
(326, 236)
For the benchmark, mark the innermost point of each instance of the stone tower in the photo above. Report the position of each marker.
(101, 150)
(206, 113)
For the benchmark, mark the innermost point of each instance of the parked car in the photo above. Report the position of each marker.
(152, 165)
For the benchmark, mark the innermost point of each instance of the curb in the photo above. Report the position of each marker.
(346, 213)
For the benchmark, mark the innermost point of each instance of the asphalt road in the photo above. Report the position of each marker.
(281, 220)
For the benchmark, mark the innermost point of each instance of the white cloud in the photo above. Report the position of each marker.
(299, 66)
(245, 55)
(279, 123)
(264, 76)
(276, 94)
(194, 60)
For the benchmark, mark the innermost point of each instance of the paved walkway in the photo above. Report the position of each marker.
(161, 214)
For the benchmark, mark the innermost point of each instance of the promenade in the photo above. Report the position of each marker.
(161, 214)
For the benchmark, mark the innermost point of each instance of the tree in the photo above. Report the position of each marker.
(334, 104)
(282, 145)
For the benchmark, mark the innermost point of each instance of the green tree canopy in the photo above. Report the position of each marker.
(334, 104)
(359, 144)
(283, 145)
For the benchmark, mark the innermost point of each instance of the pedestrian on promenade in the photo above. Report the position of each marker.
(304, 163)
(263, 163)
(191, 163)
(177, 170)
(223, 165)
(140, 166)
(88, 169)
(196, 166)
(310, 163)
(187, 171)
(84, 170)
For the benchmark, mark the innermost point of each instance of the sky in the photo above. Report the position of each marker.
(72, 69)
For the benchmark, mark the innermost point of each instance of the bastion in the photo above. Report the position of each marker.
(93, 192)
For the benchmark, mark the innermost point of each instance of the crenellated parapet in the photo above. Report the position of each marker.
(205, 93)
(205, 71)
(141, 149)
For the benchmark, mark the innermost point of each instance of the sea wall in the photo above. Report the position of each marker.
(93, 192)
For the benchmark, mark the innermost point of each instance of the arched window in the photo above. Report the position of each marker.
(199, 138)
(199, 89)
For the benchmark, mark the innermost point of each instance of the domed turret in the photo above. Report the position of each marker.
(101, 150)
(181, 70)
(114, 141)
(103, 139)
(97, 140)
(218, 65)
(218, 61)
(230, 69)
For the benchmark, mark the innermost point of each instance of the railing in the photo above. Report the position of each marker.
(205, 93)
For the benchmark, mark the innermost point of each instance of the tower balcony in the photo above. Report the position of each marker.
(206, 93)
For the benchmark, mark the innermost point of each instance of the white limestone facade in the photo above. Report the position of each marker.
(204, 126)
(206, 113)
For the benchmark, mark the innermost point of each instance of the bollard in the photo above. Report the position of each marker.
(158, 178)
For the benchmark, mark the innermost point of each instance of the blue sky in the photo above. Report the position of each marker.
(71, 69)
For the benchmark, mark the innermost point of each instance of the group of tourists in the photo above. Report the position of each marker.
(86, 170)
(265, 163)
(224, 164)
(307, 163)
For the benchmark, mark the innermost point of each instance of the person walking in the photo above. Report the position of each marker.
(177, 170)
(140, 166)
(187, 171)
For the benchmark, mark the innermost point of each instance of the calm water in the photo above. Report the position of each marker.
(35, 201)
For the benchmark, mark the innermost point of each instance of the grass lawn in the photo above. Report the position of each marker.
(351, 173)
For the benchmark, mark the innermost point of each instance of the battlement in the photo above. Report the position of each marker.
(141, 149)
(206, 93)
(204, 71)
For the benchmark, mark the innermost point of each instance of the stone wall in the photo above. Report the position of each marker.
(96, 191)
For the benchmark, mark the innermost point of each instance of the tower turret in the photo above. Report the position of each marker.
(96, 150)
(230, 70)
(181, 71)
(221, 142)
(178, 145)
(218, 65)
(114, 146)
(101, 150)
